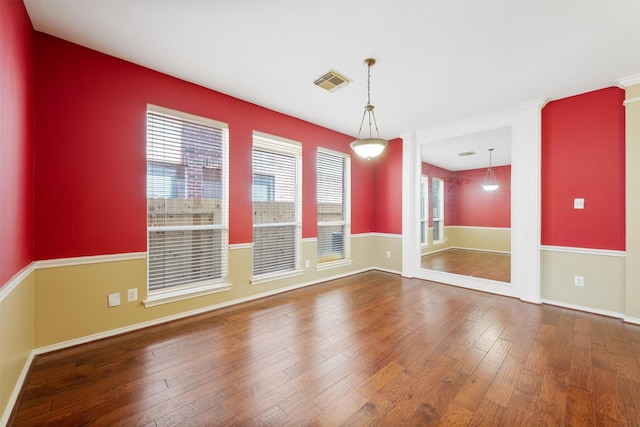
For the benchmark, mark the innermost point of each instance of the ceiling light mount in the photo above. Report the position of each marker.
(490, 182)
(373, 145)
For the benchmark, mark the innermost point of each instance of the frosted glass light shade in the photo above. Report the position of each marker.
(369, 147)
(490, 186)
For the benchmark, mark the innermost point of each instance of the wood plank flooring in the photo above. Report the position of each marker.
(369, 349)
(486, 265)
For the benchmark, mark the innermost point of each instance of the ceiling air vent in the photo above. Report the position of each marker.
(332, 81)
(466, 153)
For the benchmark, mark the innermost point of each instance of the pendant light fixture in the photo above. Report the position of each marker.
(371, 146)
(490, 182)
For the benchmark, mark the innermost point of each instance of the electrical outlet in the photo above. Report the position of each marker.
(307, 264)
(132, 294)
(114, 300)
(578, 281)
(388, 254)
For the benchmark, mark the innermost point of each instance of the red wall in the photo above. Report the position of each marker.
(473, 206)
(583, 156)
(16, 140)
(90, 151)
(387, 206)
(466, 203)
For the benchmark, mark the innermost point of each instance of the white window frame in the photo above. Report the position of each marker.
(279, 145)
(424, 210)
(205, 287)
(346, 221)
(440, 218)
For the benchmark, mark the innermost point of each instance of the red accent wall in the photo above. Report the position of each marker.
(387, 206)
(466, 203)
(16, 140)
(473, 206)
(583, 156)
(90, 151)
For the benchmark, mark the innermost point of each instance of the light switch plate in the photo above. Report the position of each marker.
(114, 300)
(132, 294)
(578, 203)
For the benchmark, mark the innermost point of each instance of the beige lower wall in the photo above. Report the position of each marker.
(478, 238)
(379, 245)
(16, 339)
(604, 278)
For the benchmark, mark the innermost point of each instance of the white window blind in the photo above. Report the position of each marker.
(187, 198)
(333, 198)
(277, 205)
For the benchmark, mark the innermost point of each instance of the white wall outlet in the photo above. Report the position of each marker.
(307, 264)
(578, 203)
(132, 294)
(114, 300)
(578, 281)
(388, 254)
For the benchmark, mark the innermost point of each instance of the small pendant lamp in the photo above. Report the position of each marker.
(490, 182)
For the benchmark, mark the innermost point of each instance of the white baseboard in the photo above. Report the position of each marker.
(632, 320)
(387, 270)
(585, 309)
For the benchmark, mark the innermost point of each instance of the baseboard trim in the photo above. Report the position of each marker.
(462, 248)
(632, 320)
(584, 308)
(388, 270)
(465, 249)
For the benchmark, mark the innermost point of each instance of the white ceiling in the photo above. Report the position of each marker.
(437, 61)
(445, 153)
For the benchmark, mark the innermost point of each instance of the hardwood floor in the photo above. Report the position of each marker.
(370, 349)
(486, 265)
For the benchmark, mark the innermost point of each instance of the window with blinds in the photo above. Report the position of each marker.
(277, 205)
(333, 198)
(187, 200)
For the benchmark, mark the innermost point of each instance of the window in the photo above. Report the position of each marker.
(277, 207)
(438, 210)
(333, 198)
(424, 209)
(186, 201)
(264, 188)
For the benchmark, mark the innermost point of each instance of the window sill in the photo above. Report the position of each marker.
(173, 295)
(333, 264)
(269, 277)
